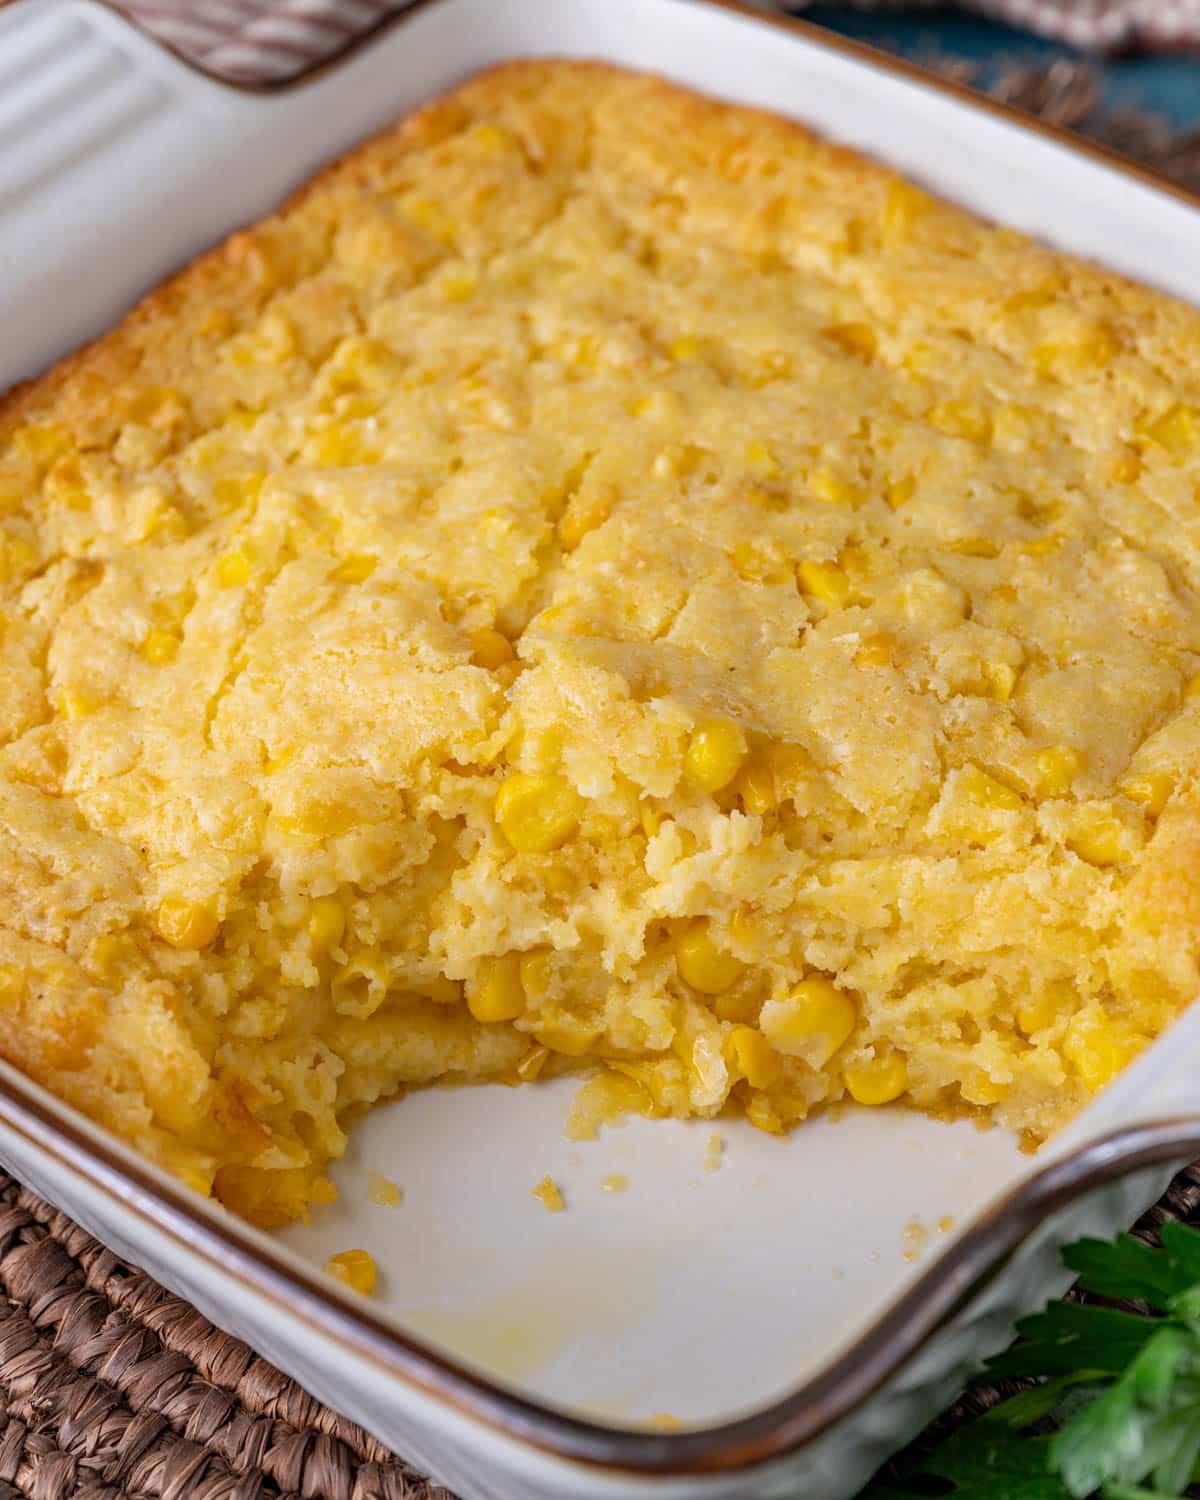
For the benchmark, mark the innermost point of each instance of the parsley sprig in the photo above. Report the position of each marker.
(1115, 1411)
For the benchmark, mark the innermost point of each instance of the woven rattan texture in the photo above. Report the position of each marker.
(113, 1389)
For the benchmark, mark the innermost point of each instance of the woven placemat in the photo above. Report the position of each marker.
(113, 1389)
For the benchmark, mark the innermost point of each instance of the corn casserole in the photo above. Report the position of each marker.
(602, 579)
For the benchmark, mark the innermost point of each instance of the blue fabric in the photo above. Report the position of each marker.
(1166, 86)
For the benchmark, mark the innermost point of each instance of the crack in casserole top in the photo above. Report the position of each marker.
(600, 580)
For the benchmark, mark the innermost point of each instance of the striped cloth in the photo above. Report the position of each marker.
(258, 41)
(269, 41)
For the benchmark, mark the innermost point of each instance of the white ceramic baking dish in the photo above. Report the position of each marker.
(799, 1312)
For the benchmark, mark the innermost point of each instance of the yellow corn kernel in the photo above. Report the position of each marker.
(233, 570)
(275, 338)
(903, 206)
(825, 582)
(756, 788)
(363, 364)
(745, 925)
(76, 703)
(1038, 1013)
(1192, 687)
(879, 1081)
(585, 513)
(876, 650)
(160, 646)
(1001, 678)
(157, 407)
(702, 964)
(831, 489)
(537, 813)
(853, 338)
(1085, 351)
(1097, 838)
(980, 1088)
(490, 138)
(531, 1065)
(763, 1115)
(1124, 467)
(963, 419)
(339, 448)
(748, 1054)
(900, 491)
(812, 1022)
(353, 1268)
(687, 347)
(360, 986)
(356, 405)
(383, 1192)
(660, 405)
(1150, 788)
(1030, 298)
(430, 216)
(762, 461)
(715, 754)
(923, 361)
(106, 955)
(232, 491)
(1013, 427)
(490, 649)
(1058, 767)
(566, 1035)
(550, 1195)
(41, 442)
(650, 817)
(747, 561)
(320, 818)
(1177, 429)
(987, 791)
(536, 970)
(355, 569)
(326, 923)
(17, 557)
(1098, 1048)
(186, 924)
(458, 283)
(497, 993)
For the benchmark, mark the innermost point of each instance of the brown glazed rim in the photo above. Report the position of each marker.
(950, 1283)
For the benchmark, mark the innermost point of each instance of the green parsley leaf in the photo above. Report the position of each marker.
(1068, 1337)
(986, 1460)
(1037, 1402)
(1182, 1246)
(1122, 1387)
(1127, 1269)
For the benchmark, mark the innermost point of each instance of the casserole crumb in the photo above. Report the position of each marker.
(550, 1195)
(601, 579)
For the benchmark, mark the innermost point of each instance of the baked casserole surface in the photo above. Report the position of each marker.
(601, 578)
